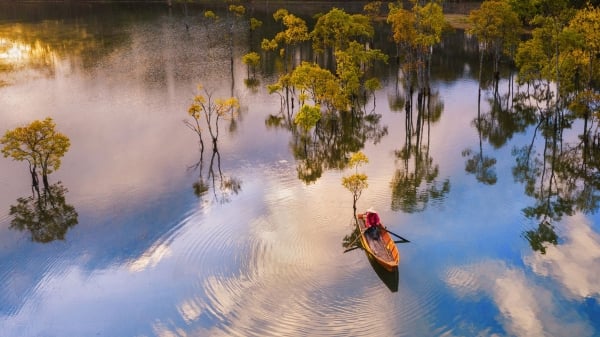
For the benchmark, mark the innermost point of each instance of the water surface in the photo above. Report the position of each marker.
(260, 253)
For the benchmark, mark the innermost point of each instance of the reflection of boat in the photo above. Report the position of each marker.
(380, 247)
(389, 278)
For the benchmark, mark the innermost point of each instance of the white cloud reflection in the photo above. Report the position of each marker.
(150, 258)
(529, 306)
(575, 263)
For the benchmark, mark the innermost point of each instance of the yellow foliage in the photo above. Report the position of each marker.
(355, 183)
(38, 143)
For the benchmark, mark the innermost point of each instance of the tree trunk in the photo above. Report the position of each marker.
(45, 180)
(35, 183)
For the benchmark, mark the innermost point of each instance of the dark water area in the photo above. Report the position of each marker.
(147, 236)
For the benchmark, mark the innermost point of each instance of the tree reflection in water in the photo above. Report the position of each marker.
(215, 111)
(223, 186)
(48, 216)
(561, 180)
(415, 184)
(328, 145)
(505, 118)
(478, 164)
(564, 178)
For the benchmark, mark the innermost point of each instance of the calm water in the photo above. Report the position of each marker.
(260, 253)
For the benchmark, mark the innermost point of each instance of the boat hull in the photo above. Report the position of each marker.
(380, 247)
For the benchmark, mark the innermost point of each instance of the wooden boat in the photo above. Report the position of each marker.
(381, 247)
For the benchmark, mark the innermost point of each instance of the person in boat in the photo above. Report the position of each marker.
(372, 223)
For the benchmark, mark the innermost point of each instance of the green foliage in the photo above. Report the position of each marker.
(355, 183)
(279, 14)
(481, 166)
(351, 64)
(337, 28)
(267, 44)
(348, 72)
(403, 22)
(251, 59)
(581, 39)
(213, 110)
(273, 88)
(47, 217)
(531, 59)
(538, 238)
(537, 57)
(373, 9)
(563, 49)
(37, 143)
(237, 10)
(373, 84)
(420, 28)
(415, 32)
(430, 23)
(548, 8)
(296, 30)
(357, 159)
(319, 84)
(210, 15)
(528, 10)
(307, 117)
(496, 26)
(255, 24)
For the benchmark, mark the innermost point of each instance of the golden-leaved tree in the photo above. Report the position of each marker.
(356, 182)
(40, 145)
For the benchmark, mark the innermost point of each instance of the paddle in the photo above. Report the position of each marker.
(351, 249)
(396, 235)
(353, 241)
(356, 247)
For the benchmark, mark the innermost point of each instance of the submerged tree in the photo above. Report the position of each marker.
(373, 9)
(40, 145)
(210, 19)
(254, 25)
(497, 28)
(415, 32)
(251, 60)
(294, 32)
(213, 111)
(560, 66)
(336, 29)
(352, 64)
(356, 182)
(319, 85)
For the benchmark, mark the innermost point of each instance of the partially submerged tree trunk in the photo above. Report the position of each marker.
(35, 182)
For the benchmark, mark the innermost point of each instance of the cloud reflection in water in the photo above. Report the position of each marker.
(527, 306)
(575, 263)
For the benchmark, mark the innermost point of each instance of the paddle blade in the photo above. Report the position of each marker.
(351, 249)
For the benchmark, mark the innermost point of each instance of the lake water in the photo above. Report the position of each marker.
(259, 252)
